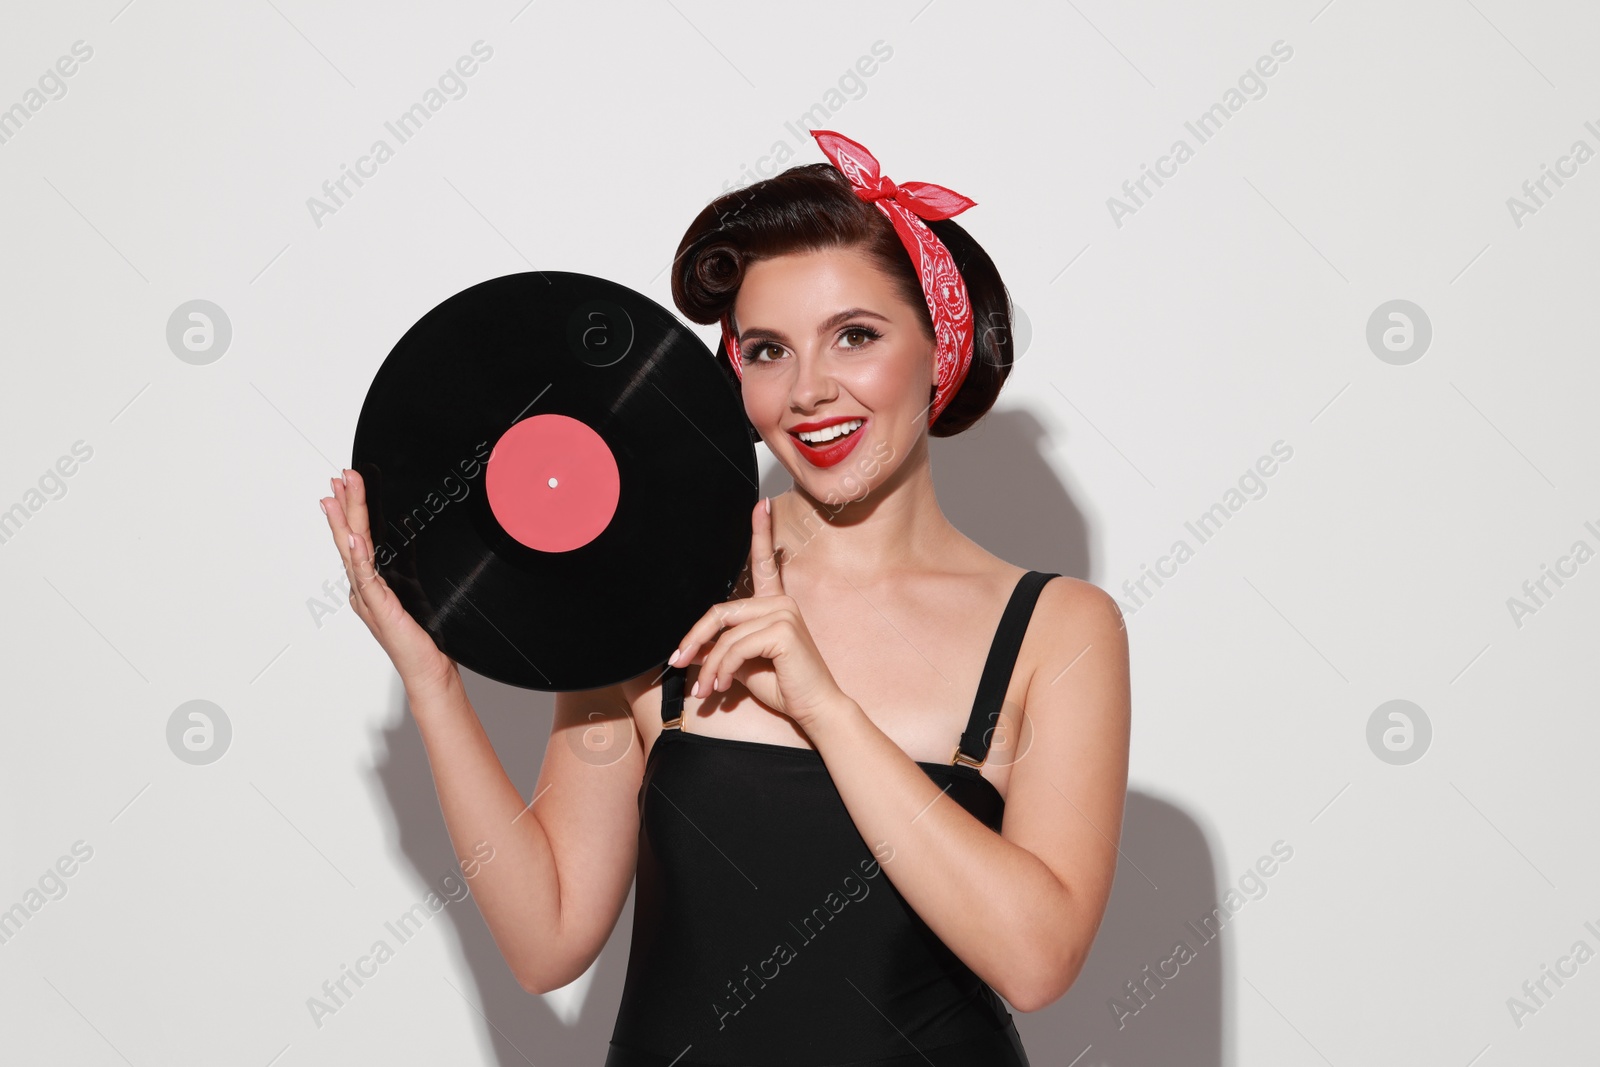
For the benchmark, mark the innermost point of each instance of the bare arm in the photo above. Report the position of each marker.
(563, 862)
(550, 877)
(1022, 907)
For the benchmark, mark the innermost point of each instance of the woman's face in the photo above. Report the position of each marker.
(827, 342)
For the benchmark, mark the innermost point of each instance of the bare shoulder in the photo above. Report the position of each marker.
(641, 696)
(595, 722)
(631, 689)
(1065, 597)
(1076, 626)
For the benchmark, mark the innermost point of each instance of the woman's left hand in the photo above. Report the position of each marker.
(761, 641)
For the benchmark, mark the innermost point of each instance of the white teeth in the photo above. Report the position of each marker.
(828, 433)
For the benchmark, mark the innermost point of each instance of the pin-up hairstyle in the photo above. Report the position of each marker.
(813, 207)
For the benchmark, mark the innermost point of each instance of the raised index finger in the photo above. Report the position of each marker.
(765, 578)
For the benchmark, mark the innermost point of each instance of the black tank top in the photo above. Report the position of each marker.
(764, 932)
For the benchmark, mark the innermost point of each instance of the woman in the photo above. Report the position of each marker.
(882, 791)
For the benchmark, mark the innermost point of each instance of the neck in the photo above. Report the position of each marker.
(896, 527)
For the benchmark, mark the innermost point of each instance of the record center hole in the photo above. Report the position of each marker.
(552, 483)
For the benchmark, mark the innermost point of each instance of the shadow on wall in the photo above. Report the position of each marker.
(571, 1025)
(1137, 1003)
(997, 485)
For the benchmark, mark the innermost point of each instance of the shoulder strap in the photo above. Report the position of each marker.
(973, 747)
(672, 697)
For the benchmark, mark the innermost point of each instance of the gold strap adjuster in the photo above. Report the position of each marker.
(961, 757)
(676, 721)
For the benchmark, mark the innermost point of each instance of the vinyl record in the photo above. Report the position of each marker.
(560, 479)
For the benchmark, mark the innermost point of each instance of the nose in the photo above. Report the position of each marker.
(813, 382)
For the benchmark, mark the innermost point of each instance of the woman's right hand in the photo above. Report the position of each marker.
(412, 649)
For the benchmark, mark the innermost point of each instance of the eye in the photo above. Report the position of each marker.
(866, 332)
(752, 354)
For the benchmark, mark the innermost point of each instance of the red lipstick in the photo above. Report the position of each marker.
(827, 455)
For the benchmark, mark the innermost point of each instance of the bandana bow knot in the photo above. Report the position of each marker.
(942, 285)
(929, 201)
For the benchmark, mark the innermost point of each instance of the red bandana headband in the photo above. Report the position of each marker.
(907, 205)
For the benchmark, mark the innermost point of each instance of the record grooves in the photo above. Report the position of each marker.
(560, 479)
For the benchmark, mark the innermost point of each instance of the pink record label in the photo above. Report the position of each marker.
(552, 483)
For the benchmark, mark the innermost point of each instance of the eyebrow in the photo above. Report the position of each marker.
(827, 324)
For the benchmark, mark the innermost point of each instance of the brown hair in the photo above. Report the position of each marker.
(813, 207)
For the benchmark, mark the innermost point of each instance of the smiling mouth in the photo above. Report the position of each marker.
(829, 434)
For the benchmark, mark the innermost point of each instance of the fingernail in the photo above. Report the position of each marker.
(323, 504)
(343, 478)
(352, 541)
(675, 654)
(769, 505)
(694, 690)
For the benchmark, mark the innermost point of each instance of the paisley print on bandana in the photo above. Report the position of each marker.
(906, 205)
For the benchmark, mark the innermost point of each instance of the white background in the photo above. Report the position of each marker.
(1165, 355)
